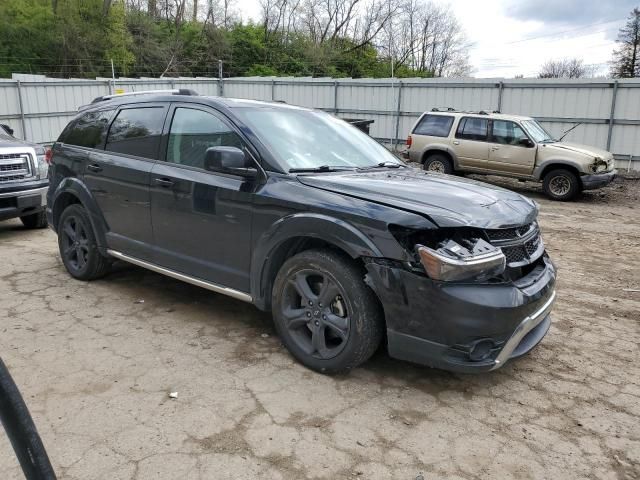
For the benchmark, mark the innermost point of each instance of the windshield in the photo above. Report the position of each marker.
(537, 131)
(303, 139)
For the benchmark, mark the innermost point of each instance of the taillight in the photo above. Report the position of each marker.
(409, 141)
(48, 155)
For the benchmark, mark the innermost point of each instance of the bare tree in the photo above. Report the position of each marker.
(428, 39)
(565, 68)
(626, 58)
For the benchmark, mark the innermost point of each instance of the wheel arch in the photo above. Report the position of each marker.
(442, 151)
(542, 170)
(294, 234)
(72, 191)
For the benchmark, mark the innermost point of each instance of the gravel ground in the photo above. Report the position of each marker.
(96, 362)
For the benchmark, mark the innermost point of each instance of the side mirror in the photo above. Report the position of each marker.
(7, 128)
(230, 160)
(525, 142)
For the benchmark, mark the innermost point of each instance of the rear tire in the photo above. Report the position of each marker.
(324, 313)
(561, 184)
(78, 246)
(438, 162)
(35, 220)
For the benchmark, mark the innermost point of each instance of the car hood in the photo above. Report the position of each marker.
(14, 142)
(583, 149)
(446, 200)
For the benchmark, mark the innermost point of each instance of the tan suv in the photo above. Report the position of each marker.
(508, 145)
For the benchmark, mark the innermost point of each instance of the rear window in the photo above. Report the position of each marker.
(89, 130)
(434, 126)
(136, 131)
(472, 128)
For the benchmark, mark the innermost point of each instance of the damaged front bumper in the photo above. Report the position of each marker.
(597, 180)
(463, 327)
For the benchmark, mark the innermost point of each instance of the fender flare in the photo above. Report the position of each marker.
(537, 172)
(440, 148)
(265, 257)
(75, 187)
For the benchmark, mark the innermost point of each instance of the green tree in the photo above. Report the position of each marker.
(626, 61)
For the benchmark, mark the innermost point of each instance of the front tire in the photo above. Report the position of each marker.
(35, 220)
(561, 184)
(78, 246)
(324, 313)
(438, 163)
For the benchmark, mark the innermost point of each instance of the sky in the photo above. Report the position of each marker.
(515, 37)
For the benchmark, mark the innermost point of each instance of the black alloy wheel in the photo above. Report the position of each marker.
(78, 246)
(325, 314)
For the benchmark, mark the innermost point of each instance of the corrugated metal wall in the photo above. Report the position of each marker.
(38, 108)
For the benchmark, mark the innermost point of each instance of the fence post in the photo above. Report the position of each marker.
(20, 104)
(612, 114)
(395, 137)
(220, 81)
(335, 97)
(273, 89)
(500, 89)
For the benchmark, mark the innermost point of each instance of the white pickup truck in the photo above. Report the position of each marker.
(23, 180)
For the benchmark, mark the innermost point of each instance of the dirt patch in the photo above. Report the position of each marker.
(95, 366)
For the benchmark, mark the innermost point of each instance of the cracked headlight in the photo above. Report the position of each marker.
(598, 165)
(453, 261)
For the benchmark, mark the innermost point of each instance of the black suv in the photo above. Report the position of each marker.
(298, 212)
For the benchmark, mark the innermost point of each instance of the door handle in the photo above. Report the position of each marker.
(455, 142)
(495, 148)
(94, 168)
(163, 182)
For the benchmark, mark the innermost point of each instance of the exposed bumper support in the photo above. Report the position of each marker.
(527, 325)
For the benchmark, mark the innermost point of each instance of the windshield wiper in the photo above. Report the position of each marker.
(383, 165)
(321, 168)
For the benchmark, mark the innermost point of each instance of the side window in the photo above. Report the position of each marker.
(89, 130)
(473, 128)
(434, 125)
(192, 132)
(507, 133)
(136, 131)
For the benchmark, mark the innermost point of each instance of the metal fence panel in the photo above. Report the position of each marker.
(44, 106)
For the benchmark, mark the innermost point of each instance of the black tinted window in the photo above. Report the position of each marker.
(89, 130)
(434, 125)
(472, 128)
(192, 132)
(136, 131)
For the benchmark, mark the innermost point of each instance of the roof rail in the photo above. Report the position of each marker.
(176, 91)
(448, 109)
(479, 112)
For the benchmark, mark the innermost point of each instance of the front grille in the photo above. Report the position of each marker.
(508, 233)
(520, 245)
(14, 167)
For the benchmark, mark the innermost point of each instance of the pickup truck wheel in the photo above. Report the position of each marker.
(78, 246)
(35, 220)
(561, 184)
(325, 315)
(438, 163)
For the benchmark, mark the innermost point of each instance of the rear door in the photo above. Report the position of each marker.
(470, 142)
(201, 219)
(509, 148)
(119, 176)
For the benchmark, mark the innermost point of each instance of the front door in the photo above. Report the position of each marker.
(118, 177)
(201, 219)
(470, 142)
(510, 149)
